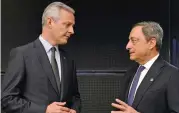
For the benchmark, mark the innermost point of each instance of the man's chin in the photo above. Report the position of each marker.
(62, 42)
(132, 58)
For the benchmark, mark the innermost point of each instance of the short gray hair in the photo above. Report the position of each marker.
(52, 10)
(152, 30)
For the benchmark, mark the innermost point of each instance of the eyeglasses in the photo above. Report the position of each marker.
(134, 41)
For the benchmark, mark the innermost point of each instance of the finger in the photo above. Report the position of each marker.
(72, 111)
(60, 103)
(65, 109)
(121, 102)
(118, 106)
(65, 112)
(117, 112)
(60, 111)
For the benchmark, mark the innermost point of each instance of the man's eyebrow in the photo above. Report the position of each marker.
(69, 22)
(133, 38)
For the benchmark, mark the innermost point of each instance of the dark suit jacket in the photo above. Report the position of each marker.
(29, 84)
(159, 90)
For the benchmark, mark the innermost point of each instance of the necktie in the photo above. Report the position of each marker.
(134, 85)
(55, 67)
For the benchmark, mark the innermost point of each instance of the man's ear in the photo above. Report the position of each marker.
(152, 43)
(49, 22)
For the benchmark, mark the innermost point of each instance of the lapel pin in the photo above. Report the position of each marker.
(151, 79)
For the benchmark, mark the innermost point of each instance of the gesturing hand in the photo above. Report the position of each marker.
(57, 107)
(123, 107)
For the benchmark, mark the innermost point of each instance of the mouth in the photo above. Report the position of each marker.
(67, 36)
(131, 53)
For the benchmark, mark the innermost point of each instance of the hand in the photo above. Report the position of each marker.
(57, 107)
(72, 111)
(123, 107)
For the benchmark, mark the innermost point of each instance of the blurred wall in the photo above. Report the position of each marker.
(102, 29)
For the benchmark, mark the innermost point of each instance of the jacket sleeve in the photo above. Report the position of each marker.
(76, 105)
(12, 100)
(173, 92)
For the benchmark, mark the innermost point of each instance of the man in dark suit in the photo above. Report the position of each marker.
(41, 77)
(152, 86)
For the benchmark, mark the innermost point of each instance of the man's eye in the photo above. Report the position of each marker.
(134, 40)
(68, 24)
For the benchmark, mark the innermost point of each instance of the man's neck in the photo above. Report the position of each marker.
(47, 37)
(148, 58)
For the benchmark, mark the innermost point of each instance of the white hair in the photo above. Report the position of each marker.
(52, 10)
(152, 30)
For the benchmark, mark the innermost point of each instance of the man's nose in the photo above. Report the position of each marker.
(128, 46)
(71, 30)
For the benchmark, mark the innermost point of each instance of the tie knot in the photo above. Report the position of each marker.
(141, 68)
(53, 49)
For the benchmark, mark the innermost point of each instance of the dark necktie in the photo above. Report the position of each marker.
(134, 85)
(55, 67)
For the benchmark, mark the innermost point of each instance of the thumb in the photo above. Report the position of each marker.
(60, 103)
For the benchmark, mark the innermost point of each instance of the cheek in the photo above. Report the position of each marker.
(142, 50)
(57, 28)
(62, 31)
(58, 32)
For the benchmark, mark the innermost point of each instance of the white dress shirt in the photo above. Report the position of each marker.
(48, 47)
(144, 72)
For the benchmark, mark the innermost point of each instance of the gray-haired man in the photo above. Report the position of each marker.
(41, 77)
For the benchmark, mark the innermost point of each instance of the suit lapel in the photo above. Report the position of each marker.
(148, 80)
(64, 76)
(44, 61)
(131, 74)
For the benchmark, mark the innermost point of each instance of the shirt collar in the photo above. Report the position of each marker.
(46, 44)
(150, 62)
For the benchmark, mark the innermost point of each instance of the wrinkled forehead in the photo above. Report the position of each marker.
(136, 32)
(67, 16)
